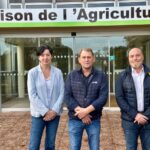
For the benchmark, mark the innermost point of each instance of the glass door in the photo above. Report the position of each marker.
(119, 45)
(111, 55)
(18, 55)
(100, 47)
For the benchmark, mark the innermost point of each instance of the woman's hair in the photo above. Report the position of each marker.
(42, 48)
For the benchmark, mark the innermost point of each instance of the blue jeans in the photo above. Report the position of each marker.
(37, 127)
(133, 131)
(76, 128)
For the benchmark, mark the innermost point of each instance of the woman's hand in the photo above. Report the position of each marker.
(50, 115)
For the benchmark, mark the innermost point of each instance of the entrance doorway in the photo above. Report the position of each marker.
(18, 55)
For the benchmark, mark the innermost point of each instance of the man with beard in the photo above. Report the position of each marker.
(133, 98)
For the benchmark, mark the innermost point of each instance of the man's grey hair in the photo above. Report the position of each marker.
(87, 50)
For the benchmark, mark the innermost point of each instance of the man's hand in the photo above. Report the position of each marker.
(50, 115)
(140, 119)
(82, 112)
(87, 119)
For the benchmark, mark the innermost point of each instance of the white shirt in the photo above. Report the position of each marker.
(139, 87)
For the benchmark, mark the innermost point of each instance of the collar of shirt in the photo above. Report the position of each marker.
(92, 71)
(135, 73)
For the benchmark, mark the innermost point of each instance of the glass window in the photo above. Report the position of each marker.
(118, 52)
(128, 3)
(101, 4)
(18, 55)
(100, 47)
(64, 1)
(15, 1)
(38, 1)
(100, 0)
(16, 6)
(69, 5)
(111, 55)
(31, 6)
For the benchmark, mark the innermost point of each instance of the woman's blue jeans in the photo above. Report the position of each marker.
(133, 131)
(76, 128)
(37, 127)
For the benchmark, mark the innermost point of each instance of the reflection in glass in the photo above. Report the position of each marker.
(18, 55)
(100, 48)
(118, 48)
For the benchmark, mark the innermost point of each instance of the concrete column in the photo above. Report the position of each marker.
(20, 63)
(7, 82)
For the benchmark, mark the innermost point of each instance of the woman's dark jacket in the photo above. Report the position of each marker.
(126, 94)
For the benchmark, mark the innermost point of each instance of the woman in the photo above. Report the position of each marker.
(46, 93)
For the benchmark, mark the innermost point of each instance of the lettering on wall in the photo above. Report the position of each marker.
(90, 15)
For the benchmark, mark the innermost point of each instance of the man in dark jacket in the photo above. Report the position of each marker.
(86, 92)
(133, 98)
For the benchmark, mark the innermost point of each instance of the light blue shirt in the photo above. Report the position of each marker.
(40, 100)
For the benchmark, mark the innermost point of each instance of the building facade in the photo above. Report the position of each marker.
(109, 27)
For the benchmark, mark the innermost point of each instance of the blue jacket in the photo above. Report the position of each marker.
(126, 94)
(37, 90)
(78, 94)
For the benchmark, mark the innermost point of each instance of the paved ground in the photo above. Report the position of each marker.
(15, 127)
